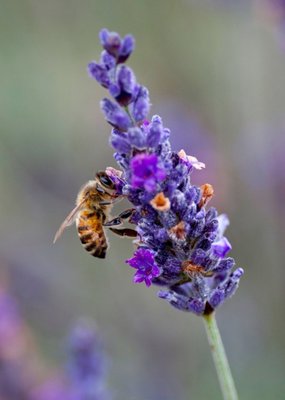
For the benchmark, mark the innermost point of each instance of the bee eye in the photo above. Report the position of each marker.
(105, 180)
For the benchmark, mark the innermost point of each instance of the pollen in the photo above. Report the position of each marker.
(189, 269)
(160, 202)
(193, 161)
(110, 171)
(182, 154)
(179, 231)
(188, 266)
(207, 193)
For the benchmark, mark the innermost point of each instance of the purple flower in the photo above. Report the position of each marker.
(146, 172)
(221, 247)
(154, 132)
(100, 73)
(144, 262)
(141, 105)
(127, 47)
(53, 389)
(85, 374)
(16, 369)
(108, 61)
(87, 361)
(116, 116)
(122, 89)
(226, 288)
(184, 303)
(181, 241)
(117, 47)
(11, 323)
(223, 222)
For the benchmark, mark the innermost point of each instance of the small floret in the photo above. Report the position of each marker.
(146, 172)
(144, 262)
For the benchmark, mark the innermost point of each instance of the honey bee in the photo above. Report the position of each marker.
(92, 212)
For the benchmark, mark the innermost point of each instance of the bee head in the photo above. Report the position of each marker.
(104, 181)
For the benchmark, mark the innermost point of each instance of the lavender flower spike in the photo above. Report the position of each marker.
(180, 245)
(87, 364)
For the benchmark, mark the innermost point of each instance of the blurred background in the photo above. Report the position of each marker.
(215, 70)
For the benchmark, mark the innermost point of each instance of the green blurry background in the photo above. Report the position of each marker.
(216, 75)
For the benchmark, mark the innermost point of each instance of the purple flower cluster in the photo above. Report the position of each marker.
(86, 369)
(274, 13)
(20, 362)
(87, 364)
(180, 244)
(16, 353)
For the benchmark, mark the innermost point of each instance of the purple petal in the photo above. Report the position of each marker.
(142, 105)
(127, 48)
(217, 298)
(138, 278)
(137, 138)
(149, 185)
(99, 72)
(123, 90)
(223, 224)
(111, 42)
(197, 306)
(120, 143)
(145, 171)
(148, 281)
(155, 132)
(224, 265)
(147, 269)
(155, 271)
(221, 247)
(233, 282)
(160, 174)
(115, 115)
(114, 90)
(107, 60)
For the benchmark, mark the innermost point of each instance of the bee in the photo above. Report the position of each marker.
(92, 214)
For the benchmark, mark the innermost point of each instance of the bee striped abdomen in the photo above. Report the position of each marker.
(91, 233)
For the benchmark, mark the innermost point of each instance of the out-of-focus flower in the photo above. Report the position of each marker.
(273, 12)
(87, 364)
(22, 375)
(180, 241)
(115, 46)
(267, 161)
(85, 375)
(54, 388)
(19, 369)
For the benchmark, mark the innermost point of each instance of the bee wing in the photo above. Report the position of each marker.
(69, 220)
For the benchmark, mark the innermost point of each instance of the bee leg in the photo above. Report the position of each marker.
(119, 219)
(106, 203)
(115, 200)
(125, 232)
(127, 214)
(114, 222)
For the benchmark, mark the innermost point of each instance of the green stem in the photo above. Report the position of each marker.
(130, 115)
(220, 358)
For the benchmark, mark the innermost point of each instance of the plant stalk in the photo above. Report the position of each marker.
(220, 359)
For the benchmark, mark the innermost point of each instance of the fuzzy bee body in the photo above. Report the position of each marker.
(93, 205)
(92, 213)
(91, 233)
